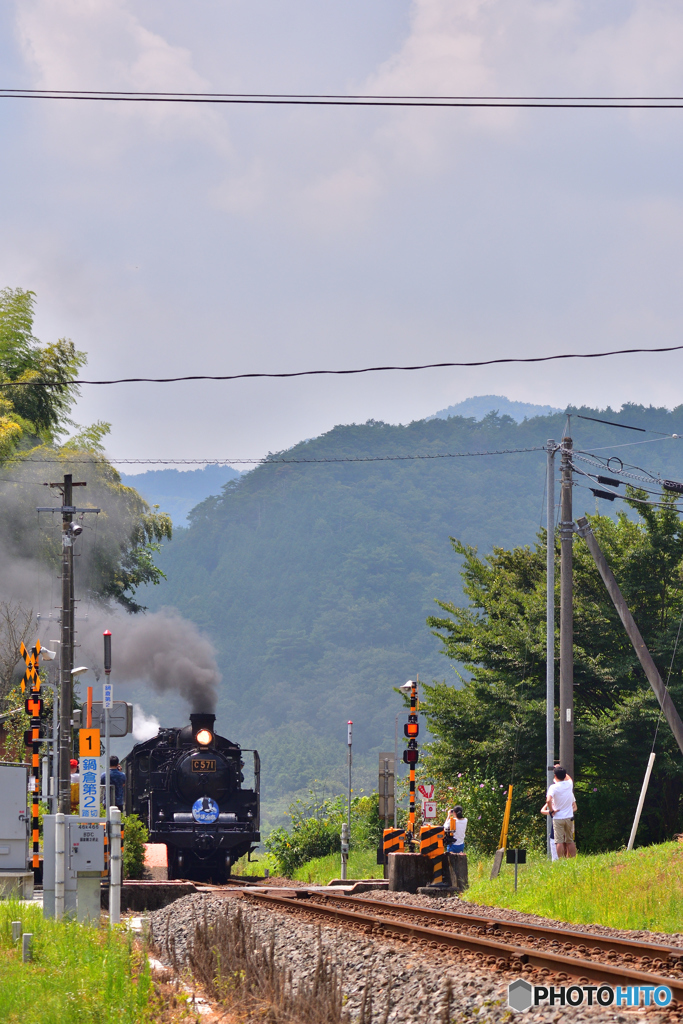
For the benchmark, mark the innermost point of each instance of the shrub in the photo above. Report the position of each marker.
(135, 837)
(316, 830)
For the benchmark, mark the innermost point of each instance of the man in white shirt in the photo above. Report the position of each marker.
(561, 805)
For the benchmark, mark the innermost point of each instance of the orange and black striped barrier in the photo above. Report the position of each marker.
(34, 708)
(432, 846)
(393, 841)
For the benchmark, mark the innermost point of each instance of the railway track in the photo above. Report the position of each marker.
(505, 945)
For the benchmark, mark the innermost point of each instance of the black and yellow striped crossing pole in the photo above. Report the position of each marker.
(34, 707)
(411, 754)
(393, 841)
(432, 846)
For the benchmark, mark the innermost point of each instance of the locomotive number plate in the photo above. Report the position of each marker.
(200, 764)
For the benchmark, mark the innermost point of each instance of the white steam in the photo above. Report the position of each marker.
(145, 727)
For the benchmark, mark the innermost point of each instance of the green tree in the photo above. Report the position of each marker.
(26, 366)
(34, 419)
(494, 725)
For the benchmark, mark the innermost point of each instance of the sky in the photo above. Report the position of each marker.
(168, 240)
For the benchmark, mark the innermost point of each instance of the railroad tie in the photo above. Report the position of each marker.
(432, 846)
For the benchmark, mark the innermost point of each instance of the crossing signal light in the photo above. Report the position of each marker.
(411, 730)
(411, 756)
(28, 737)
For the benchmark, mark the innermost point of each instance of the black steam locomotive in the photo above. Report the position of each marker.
(186, 785)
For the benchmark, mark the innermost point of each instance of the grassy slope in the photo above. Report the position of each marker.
(78, 974)
(639, 890)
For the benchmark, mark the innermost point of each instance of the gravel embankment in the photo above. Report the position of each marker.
(415, 979)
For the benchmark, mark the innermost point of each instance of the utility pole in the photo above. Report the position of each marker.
(67, 647)
(550, 625)
(69, 531)
(566, 613)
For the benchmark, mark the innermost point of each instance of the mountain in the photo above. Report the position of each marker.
(480, 405)
(314, 579)
(178, 491)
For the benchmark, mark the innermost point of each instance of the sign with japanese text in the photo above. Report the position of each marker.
(89, 787)
(108, 695)
(428, 809)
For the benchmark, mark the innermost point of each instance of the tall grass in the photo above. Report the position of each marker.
(321, 870)
(642, 890)
(79, 975)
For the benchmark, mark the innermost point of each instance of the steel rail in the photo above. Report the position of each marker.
(504, 955)
(605, 942)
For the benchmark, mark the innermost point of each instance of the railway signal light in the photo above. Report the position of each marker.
(34, 706)
(411, 730)
(411, 756)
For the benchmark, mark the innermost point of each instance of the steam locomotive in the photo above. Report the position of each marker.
(186, 786)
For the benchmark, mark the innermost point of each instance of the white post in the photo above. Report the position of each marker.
(550, 629)
(59, 865)
(115, 868)
(44, 785)
(107, 775)
(344, 850)
(641, 801)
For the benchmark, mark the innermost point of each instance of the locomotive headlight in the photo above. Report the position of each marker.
(204, 737)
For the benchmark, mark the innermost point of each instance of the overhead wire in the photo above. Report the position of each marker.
(269, 460)
(70, 382)
(349, 99)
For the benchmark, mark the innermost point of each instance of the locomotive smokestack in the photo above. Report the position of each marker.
(202, 720)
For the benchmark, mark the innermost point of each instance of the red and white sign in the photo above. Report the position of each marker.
(428, 809)
(426, 791)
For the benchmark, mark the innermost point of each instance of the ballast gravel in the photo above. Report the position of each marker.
(414, 980)
(502, 914)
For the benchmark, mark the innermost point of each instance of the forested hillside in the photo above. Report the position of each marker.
(314, 581)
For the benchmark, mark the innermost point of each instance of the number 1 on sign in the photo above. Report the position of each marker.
(89, 742)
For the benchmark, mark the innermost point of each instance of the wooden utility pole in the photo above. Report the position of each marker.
(566, 613)
(644, 657)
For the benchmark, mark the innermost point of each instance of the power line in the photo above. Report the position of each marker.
(270, 460)
(624, 426)
(359, 100)
(320, 373)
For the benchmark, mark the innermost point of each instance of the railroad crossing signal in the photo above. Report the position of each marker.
(31, 677)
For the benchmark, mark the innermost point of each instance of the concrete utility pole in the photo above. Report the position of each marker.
(566, 613)
(550, 625)
(69, 531)
(67, 647)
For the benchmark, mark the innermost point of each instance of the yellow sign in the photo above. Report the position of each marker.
(89, 743)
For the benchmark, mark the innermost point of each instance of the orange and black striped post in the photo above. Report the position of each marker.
(34, 707)
(411, 754)
(432, 846)
(392, 841)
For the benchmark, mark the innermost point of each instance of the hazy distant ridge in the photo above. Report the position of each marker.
(480, 405)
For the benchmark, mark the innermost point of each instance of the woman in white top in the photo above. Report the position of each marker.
(456, 824)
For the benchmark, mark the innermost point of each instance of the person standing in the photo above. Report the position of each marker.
(561, 805)
(455, 827)
(117, 779)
